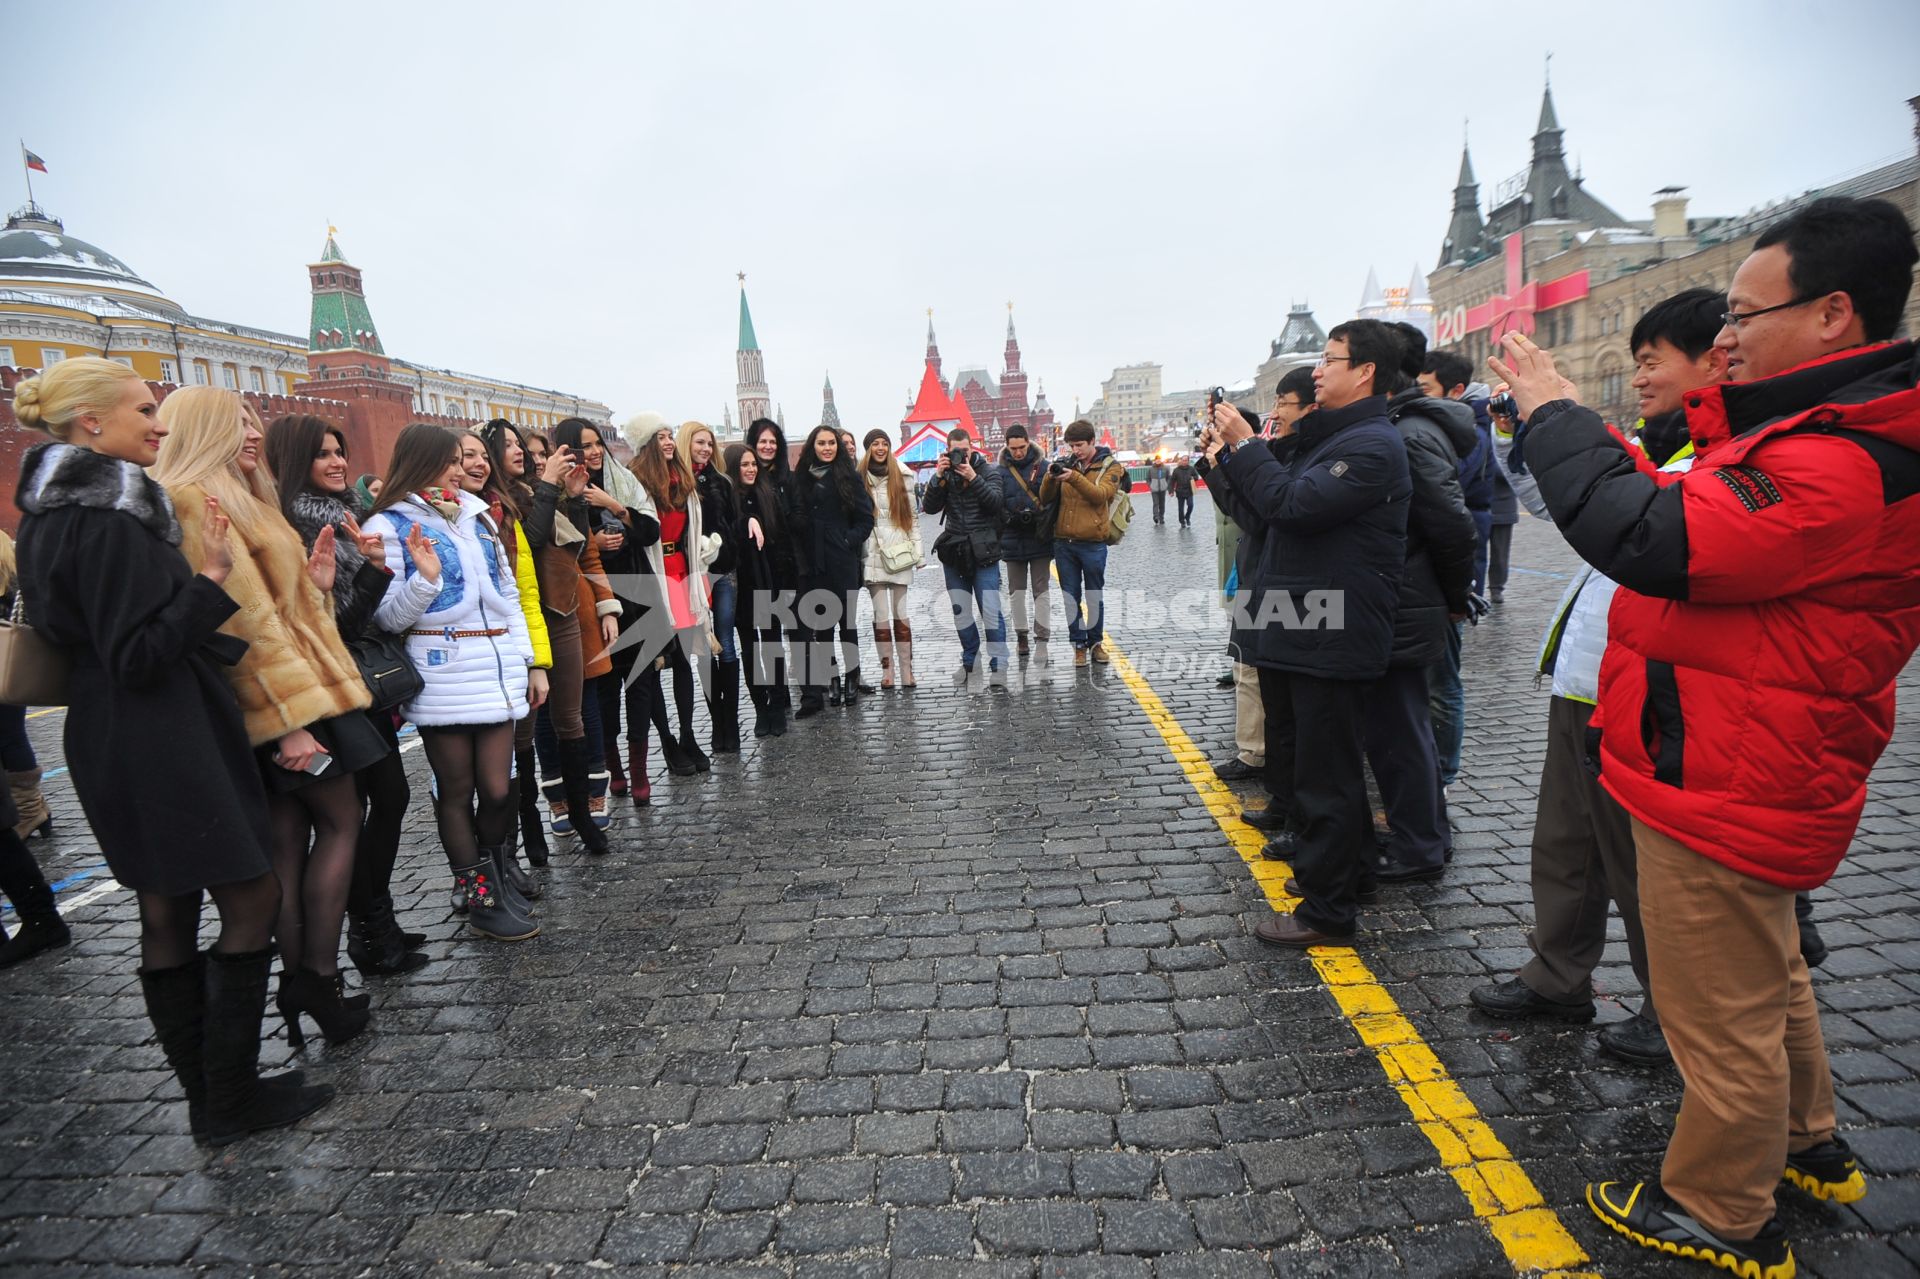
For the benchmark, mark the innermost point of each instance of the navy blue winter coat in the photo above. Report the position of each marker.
(1332, 501)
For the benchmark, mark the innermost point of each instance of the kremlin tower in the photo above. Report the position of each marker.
(750, 389)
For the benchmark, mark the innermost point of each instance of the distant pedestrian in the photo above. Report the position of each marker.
(1159, 480)
(1181, 481)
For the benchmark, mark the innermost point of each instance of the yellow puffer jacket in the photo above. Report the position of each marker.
(528, 583)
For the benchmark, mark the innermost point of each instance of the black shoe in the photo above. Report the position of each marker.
(1645, 1215)
(1225, 681)
(1827, 1172)
(762, 722)
(810, 705)
(376, 948)
(1813, 948)
(1365, 894)
(855, 684)
(834, 695)
(1513, 998)
(695, 756)
(679, 763)
(1389, 871)
(1269, 819)
(1638, 1040)
(1234, 770)
(577, 759)
(1281, 847)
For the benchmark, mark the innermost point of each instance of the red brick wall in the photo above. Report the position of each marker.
(370, 413)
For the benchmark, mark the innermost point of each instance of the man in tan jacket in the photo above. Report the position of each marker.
(1084, 484)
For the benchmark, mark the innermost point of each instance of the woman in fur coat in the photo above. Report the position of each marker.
(299, 689)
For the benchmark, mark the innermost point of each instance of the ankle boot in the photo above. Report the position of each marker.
(35, 818)
(506, 864)
(508, 891)
(691, 746)
(576, 762)
(41, 927)
(597, 804)
(678, 761)
(489, 915)
(555, 793)
(638, 771)
(532, 837)
(834, 694)
(762, 712)
(238, 1100)
(384, 914)
(375, 944)
(319, 996)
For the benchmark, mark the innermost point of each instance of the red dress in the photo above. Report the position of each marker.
(673, 529)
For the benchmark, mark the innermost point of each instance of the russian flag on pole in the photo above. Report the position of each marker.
(33, 161)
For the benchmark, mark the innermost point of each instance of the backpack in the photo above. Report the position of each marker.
(1120, 514)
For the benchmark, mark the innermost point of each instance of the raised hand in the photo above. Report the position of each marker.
(372, 546)
(558, 463)
(426, 560)
(576, 480)
(216, 548)
(321, 566)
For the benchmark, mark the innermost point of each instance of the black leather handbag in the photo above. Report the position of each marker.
(387, 670)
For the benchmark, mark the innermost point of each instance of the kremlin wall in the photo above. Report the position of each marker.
(61, 297)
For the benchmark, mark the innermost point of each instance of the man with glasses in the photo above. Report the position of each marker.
(1238, 550)
(1768, 600)
(1330, 505)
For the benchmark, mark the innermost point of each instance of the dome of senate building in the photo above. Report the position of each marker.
(37, 255)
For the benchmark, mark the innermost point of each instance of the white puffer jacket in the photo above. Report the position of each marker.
(470, 678)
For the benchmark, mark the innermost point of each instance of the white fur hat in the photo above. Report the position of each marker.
(640, 428)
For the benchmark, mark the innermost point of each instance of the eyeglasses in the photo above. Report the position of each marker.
(1734, 319)
(1333, 359)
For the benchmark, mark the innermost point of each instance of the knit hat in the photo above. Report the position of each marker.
(876, 433)
(640, 428)
(1016, 432)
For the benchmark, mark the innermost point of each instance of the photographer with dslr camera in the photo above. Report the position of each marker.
(1026, 540)
(965, 494)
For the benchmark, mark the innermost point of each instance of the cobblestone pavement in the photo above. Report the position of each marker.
(951, 984)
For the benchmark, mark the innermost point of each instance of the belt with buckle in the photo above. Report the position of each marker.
(670, 548)
(448, 634)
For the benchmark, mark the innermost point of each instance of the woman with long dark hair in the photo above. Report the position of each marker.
(155, 741)
(761, 541)
(613, 498)
(453, 596)
(768, 443)
(677, 553)
(299, 689)
(552, 527)
(833, 517)
(308, 459)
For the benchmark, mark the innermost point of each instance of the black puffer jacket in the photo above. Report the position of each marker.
(832, 519)
(1332, 503)
(966, 507)
(1440, 530)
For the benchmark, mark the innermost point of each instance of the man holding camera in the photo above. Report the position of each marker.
(1330, 503)
(1084, 484)
(965, 494)
(1768, 600)
(1026, 541)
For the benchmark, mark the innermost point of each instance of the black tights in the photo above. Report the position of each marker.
(383, 790)
(170, 926)
(474, 766)
(314, 878)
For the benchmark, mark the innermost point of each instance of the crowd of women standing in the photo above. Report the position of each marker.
(251, 634)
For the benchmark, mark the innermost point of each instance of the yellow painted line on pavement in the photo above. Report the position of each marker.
(51, 710)
(1497, 1188)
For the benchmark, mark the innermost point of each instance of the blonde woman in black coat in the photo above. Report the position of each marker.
(157, 749)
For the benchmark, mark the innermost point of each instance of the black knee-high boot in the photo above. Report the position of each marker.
(236, 1101)
(533, 834)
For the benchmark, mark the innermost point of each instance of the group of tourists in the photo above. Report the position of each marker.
(1722, 673)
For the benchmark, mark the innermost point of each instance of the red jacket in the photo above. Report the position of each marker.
(1769, 599)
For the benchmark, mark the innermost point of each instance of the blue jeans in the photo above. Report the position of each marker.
(726, 594)
(1083, 572)
(963, 591)
(1447, 704)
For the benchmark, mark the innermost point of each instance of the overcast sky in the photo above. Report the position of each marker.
(561, 194)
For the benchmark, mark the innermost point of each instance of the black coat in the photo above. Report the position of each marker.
(966, 509)
(1441, 536)
(1331, 503)
(830, 533)
(1027, 531)
(716, 516)
(154, 738)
